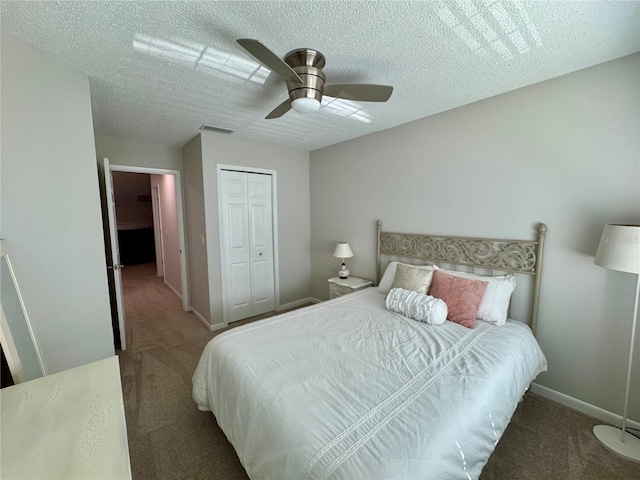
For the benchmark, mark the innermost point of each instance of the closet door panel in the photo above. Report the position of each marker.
(246, 231)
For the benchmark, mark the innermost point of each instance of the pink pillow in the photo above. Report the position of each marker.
(462, 296)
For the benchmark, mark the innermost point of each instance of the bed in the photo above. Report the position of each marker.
(347, 389)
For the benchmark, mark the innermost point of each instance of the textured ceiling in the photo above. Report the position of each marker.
(159, 70)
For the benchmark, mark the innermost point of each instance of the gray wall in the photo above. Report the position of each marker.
(565, 152)
(292, 167)
(50, 205)
(137, 153)
(195, 226)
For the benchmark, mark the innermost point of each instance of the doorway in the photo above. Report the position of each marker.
(248, 240)
(146, 231)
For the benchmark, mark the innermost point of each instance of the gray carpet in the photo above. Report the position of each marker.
(169, 438)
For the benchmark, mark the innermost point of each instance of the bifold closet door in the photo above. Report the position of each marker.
(247, 240)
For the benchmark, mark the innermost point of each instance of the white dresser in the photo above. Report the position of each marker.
(68, 425)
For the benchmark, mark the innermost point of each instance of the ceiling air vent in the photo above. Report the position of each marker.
(209, 128)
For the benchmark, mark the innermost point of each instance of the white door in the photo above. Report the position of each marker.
(261, 243)
(114, 265)
(247, 244)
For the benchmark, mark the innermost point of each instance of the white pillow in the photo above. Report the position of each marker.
(390, 274)
(417, 306)
(495, 301)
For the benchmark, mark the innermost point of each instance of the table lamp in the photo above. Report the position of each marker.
(343, 250)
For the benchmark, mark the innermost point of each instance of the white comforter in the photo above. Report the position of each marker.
(348, 390)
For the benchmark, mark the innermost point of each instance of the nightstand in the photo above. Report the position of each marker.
(341, 286)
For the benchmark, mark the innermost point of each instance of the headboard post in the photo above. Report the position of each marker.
(378, 253)
(542, 233)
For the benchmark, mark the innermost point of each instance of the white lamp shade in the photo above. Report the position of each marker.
(619, 248)
(343, 250)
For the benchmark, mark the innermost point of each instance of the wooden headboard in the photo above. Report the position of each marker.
(486, 256)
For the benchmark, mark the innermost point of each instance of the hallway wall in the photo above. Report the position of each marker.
(170, 238)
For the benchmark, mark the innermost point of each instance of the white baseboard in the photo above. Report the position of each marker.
(173, 289)
(218, 326)
(583, 407)
(211, 328)
(297, 303)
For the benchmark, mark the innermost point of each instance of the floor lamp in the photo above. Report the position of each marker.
(619, 250)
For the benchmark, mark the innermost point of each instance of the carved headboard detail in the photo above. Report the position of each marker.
(488, 254)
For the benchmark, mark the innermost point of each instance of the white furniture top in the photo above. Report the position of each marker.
(350, 282)
(69, 425)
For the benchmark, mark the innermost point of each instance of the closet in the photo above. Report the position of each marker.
(246, 243)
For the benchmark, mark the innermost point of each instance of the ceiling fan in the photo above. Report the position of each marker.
(302, 69)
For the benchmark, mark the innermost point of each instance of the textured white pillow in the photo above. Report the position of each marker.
(390, 274)
(417, 306)
(495, 302)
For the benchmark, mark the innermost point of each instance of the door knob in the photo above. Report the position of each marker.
(260, 254)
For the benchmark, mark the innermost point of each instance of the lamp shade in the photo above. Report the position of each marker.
(619, 248)
(343, 250)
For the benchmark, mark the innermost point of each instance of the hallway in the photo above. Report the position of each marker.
(153, 313)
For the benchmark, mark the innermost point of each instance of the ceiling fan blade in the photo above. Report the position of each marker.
(269, 59)
(280, 110)
(359, 92)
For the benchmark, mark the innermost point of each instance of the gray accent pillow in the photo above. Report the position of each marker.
(415, 278)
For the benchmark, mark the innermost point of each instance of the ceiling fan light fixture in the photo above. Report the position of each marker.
(305, 105)
(302, 71)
